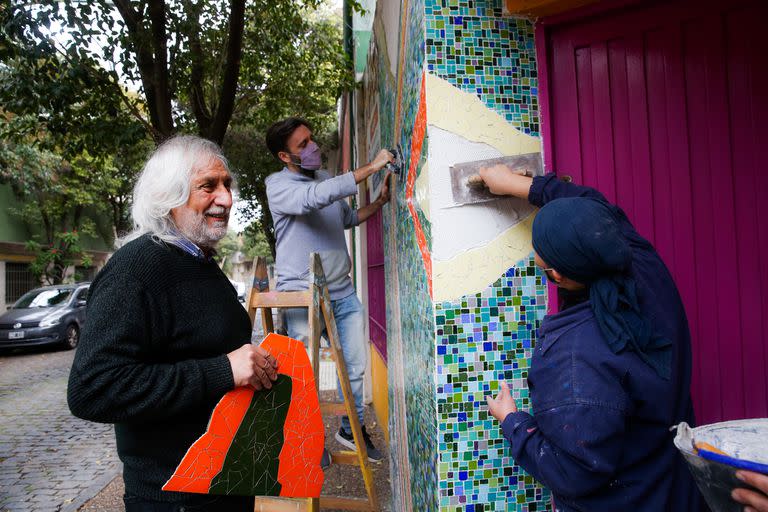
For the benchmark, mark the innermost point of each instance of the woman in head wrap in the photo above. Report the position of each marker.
(611, 371)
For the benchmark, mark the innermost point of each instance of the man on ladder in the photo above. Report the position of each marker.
(310, 215)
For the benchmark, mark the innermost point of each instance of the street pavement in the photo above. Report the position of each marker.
(49, 460)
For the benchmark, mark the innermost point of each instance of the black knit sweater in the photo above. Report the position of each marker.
(152, 357)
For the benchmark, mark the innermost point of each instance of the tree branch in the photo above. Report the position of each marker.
(199, 108)
(158, 101)
(226, 103)
(157, 18)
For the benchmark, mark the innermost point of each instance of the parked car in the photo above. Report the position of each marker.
(47, 315)
(240, 288)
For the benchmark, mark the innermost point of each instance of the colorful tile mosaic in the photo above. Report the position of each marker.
(482, 339)
(447, 453)
(261, 443)
(471, 46)
(412, 390)
(407, 262)
(410, 318)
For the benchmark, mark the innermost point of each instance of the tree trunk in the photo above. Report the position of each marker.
(152, 61)
(266, 217)
(226, 103)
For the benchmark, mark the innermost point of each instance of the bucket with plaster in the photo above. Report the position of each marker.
(715, 452)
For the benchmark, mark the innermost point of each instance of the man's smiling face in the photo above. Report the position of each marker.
(204, 218)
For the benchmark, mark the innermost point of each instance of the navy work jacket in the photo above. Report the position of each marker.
(599, 435)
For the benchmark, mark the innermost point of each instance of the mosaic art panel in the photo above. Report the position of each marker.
(407, 232)
(261, 443)
(387, 92)
(491, 335)
(416, 325)
(482, 339)
(469, 44)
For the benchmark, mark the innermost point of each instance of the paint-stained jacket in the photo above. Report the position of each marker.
(599, 435)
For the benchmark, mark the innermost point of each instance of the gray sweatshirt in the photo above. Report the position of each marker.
(310, 216)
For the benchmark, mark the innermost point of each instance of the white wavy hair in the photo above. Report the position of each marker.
(164, 184)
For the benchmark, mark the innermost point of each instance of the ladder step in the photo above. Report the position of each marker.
(272, 504)
(345, 503)
(333, 408)
(347, 457)
(281, 300)
(317, 300)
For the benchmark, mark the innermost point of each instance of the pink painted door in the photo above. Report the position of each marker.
(664, 108)
(377, 308)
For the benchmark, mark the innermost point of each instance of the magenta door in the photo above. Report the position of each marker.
(664, 108)
(377, 308)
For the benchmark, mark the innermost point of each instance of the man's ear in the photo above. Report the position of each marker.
(284, 157)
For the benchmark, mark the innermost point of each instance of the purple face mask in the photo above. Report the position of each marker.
(310, 157)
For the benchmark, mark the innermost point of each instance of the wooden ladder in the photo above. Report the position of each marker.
(317, 300)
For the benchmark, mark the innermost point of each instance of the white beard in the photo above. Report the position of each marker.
(195, 227)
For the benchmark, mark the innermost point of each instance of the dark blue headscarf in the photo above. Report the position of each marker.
(581, 238)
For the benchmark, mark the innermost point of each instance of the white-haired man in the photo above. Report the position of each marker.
(166, 336)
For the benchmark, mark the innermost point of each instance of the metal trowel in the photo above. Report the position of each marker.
(469, 188)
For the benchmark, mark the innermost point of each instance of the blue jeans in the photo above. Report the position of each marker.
(349, 316)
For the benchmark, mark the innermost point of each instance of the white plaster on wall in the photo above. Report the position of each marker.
(421, 191)
(456, 230)
(472, 271)
(472, 245)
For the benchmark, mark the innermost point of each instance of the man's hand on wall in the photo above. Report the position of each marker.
(384, 194)
(253, 366)
(381, 159)
(503, 405)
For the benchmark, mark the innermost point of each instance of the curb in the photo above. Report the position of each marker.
(91, 492)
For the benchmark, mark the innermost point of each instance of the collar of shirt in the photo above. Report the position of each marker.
(188, 246)
(554, 326)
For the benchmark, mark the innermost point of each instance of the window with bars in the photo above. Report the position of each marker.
(18, 281)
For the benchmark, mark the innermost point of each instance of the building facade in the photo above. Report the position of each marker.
(656, 104)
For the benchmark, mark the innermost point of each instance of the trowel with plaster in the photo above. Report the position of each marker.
(469, 188)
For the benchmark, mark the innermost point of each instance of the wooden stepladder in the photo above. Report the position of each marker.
(318, 302)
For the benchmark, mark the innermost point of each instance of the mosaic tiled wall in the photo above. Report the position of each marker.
(446, 453)
(470, 44)
(485, 337)
(410, 317)
(482, 339)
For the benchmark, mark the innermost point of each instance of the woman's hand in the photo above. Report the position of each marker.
(503, 404)
(503, 180)
(755, 501)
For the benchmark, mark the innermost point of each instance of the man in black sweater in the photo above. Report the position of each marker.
(166, 337)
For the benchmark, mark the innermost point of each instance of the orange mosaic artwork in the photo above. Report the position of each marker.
(419, 128)
(299, 472)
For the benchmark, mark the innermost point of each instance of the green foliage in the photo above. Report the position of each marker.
(225, 249)
(55, 194)
(201, 66)
(51, 261)
(256, 243)
(301, 77)
(61, 104)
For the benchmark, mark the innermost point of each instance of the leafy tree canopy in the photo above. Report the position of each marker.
(101, 75)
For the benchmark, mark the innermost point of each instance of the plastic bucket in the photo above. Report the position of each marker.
(745, 441)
